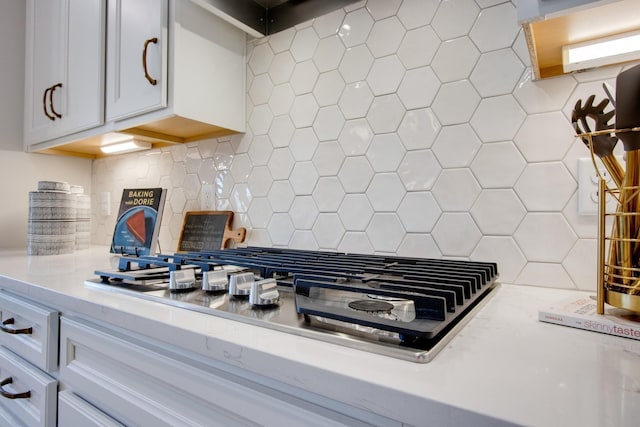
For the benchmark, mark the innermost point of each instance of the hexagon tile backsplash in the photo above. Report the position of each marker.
(408, 127)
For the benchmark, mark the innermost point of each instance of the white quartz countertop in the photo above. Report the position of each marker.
(504, 364)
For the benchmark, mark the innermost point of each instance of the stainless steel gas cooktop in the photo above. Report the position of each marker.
(407, 308)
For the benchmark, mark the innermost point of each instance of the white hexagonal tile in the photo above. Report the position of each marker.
(303, 212)
(328, 123)
(543, 95)
(177, 200)
(419, 170)
(281, 196)
(498, 211)
(456, 234)
(545, 237)
(303, 144)
(241, 168)
(258, 237)
(328, 54)
(355, 100)
(417, 13)
(456, 189)
(328, 194)
(260, 150)
(385, 152)
(355, 27)
(280, 229)
(328, 89)
(282, 98)
(303, 178)
(260, 119)
(380, 9)
(521, 49)
(281, 163)
(456, 146)
(304, 77)
(328, 230)
(585, 226)
(304, 110)
(496, 27)
(419, 212)
(546, 274)
(582, 264)
(328, 24)
(496, 73)
(281, 68)
(504, 251)
(355, 212)
(356, 63)
(385, 37)
(545, 186)
(418, 129)
(281, 131)
(386, 113)
(498, 165)
(385, 232)
(545, 136)
(455, 102)
(455, 59)
(419, 87)
(497, 118)
(385, 75)
(328, 158)
(224, 184)
(420, 246)
(418, 47)
(281, 41)
(304, 44)
(355, 174)
(260, 181)
(260, 89)
(260, 212)
(582, 91)
(207, 171)
(241, 197)
(454, 18)
(303, 239)
(355, 137)
(261, 58)
(355, 243)
(385, 192)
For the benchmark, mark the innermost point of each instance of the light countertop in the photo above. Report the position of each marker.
(504, 364)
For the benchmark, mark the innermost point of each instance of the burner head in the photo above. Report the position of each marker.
(371, 306)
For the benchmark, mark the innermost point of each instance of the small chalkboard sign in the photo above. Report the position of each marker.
(208, 230)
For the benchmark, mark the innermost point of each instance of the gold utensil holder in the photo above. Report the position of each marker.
(619, 263)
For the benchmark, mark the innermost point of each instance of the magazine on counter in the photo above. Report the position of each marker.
(138, 224)
(581, 312)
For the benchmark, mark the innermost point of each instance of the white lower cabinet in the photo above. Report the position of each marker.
(76, 412)
(139, 382)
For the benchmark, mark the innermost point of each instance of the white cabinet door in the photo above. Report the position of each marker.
(75, 412)
(64, 67)
(136, 57)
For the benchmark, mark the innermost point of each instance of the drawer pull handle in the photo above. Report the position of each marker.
(11, 321)
(53, 89)
(144, 60)
(9, 395)
(44, 104)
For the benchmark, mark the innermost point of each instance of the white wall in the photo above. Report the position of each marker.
(19, 171)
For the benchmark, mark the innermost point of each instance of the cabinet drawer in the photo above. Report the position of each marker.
(37, 340)
(39, 407)
(75, 412)
(140, 384)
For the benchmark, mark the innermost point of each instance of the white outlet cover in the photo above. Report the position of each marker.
(588, 179)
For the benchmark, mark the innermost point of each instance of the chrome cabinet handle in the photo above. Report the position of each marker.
(11, 321)
(44, 104)
(53, 89)
(144, 61)
(8, 394)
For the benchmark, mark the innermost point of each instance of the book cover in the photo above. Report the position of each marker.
(581, 312)
(138, 224)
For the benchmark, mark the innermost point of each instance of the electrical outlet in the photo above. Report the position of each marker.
(208, 197)
(588, 186)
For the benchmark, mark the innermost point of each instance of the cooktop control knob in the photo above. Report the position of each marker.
(214, 281)
(264, 292)
(182, 280)
(240, 283)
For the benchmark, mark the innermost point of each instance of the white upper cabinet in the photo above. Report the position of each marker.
(64, 75)
(136, 57)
